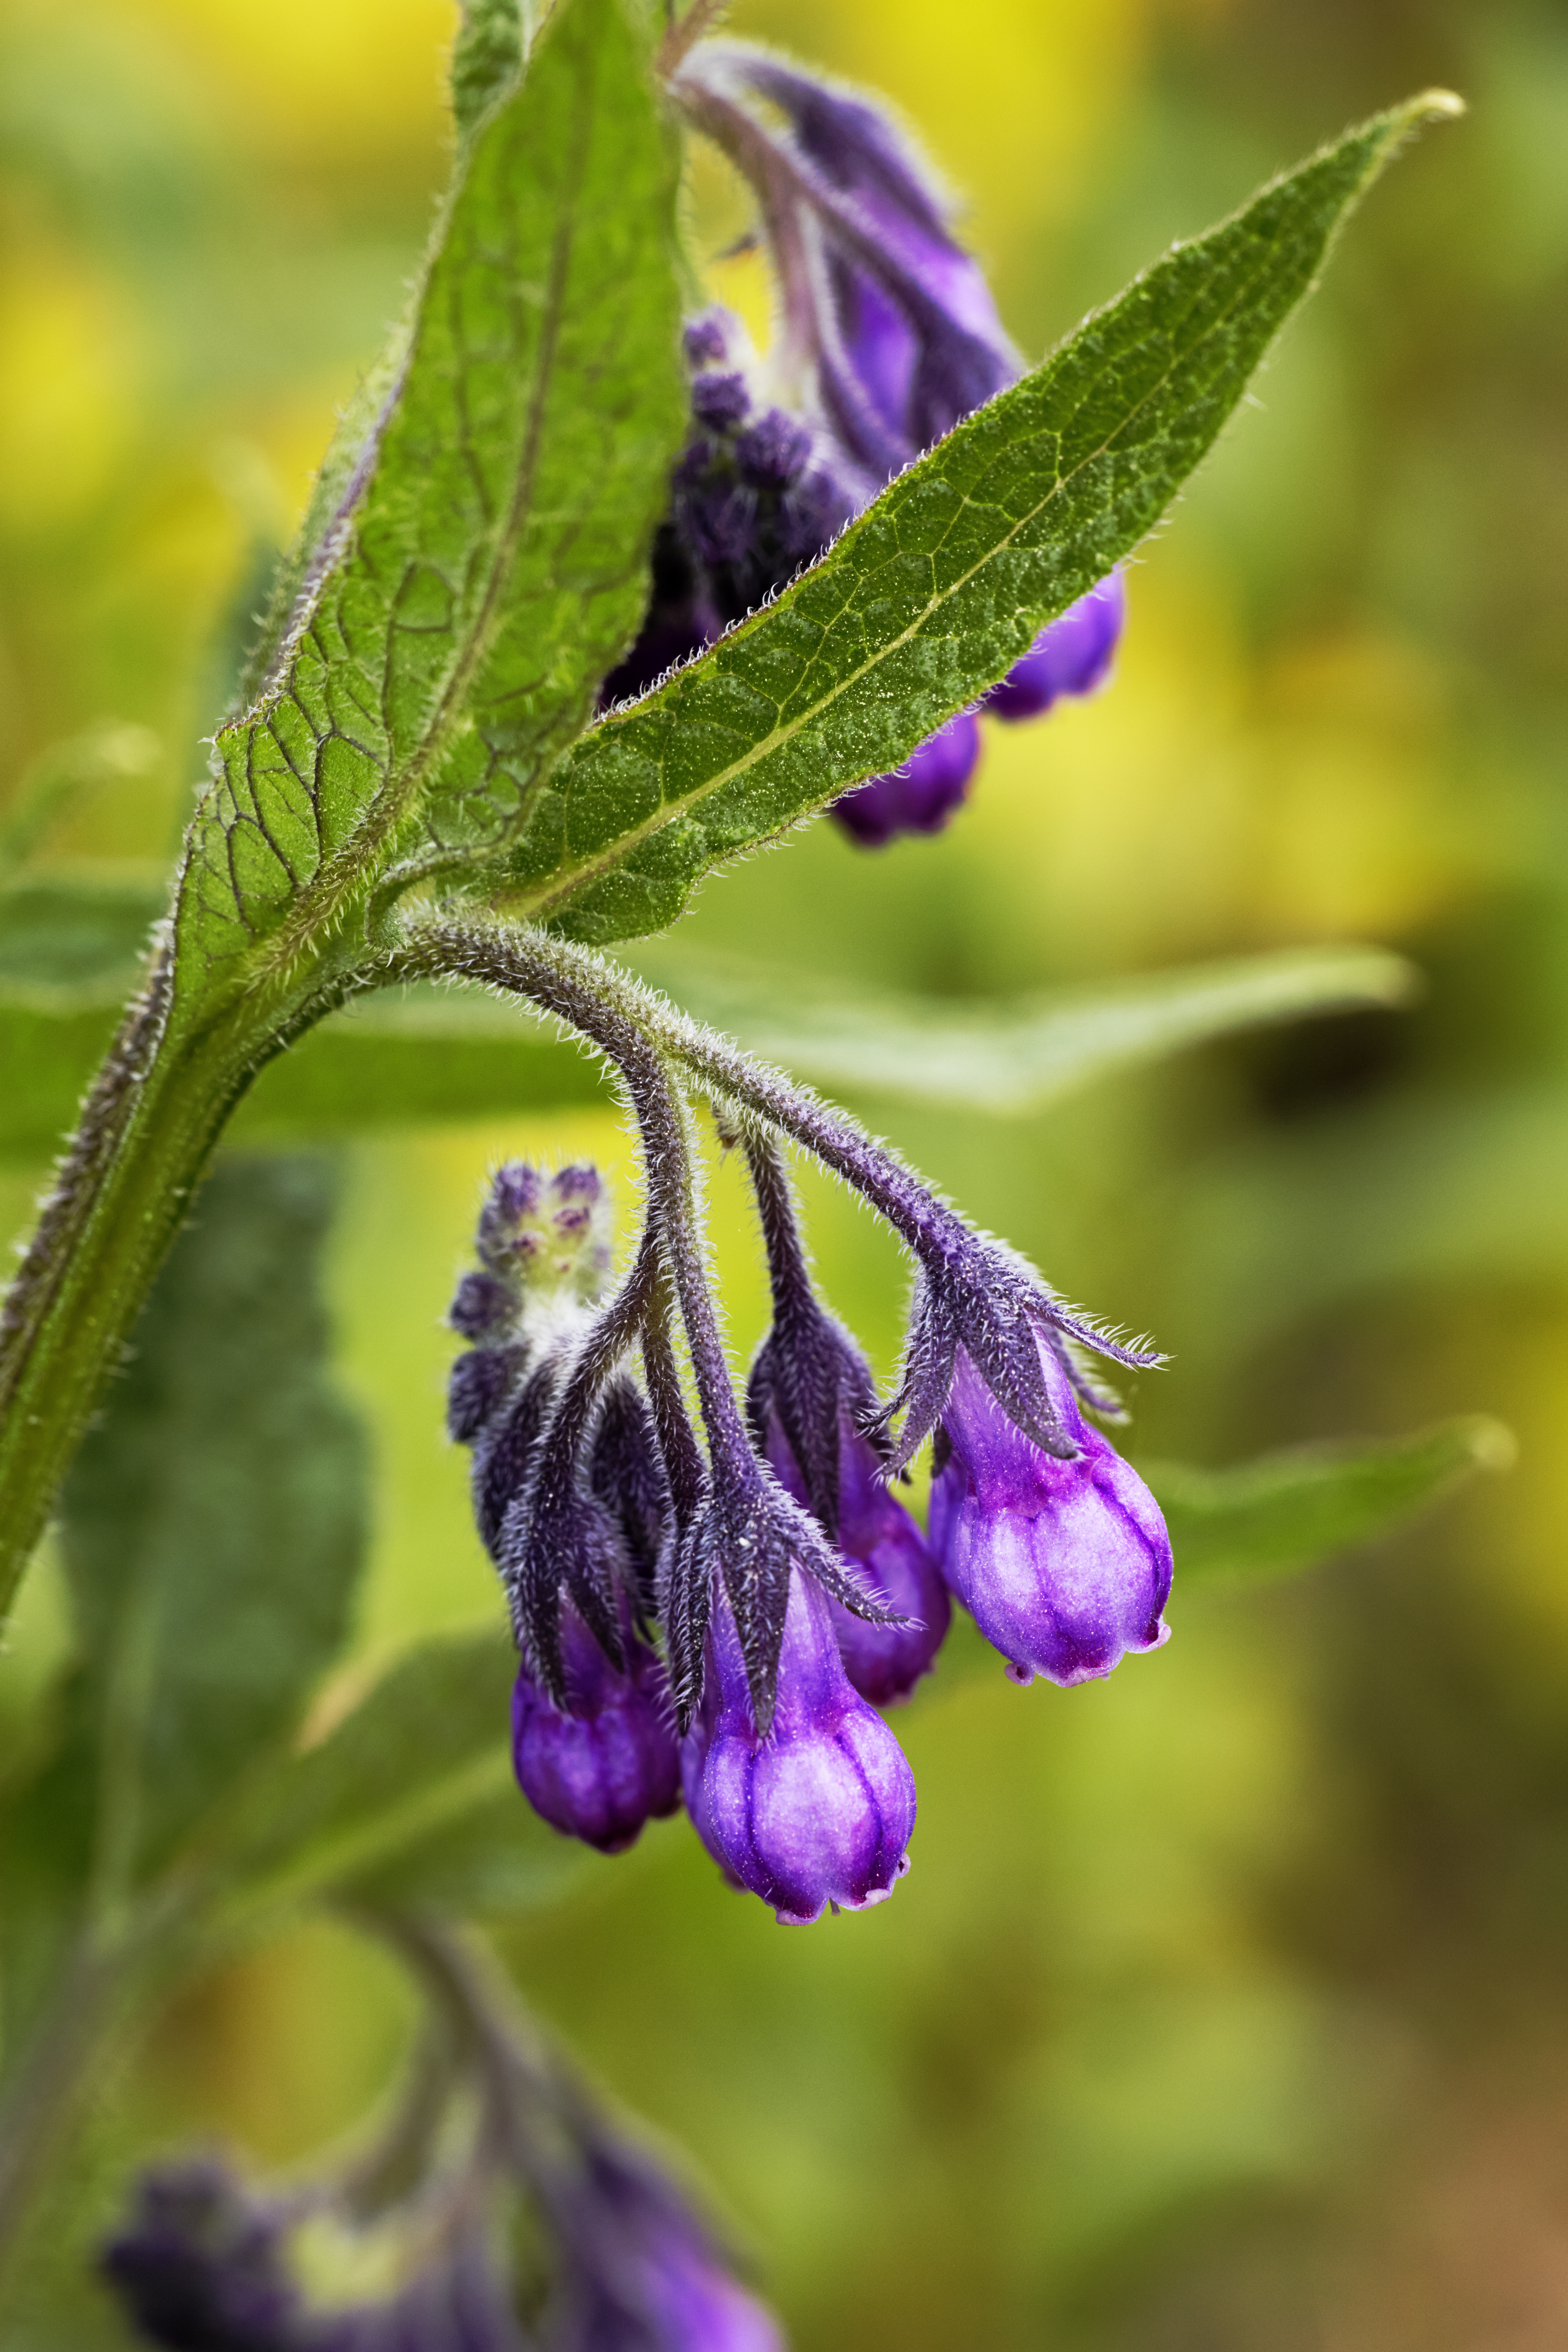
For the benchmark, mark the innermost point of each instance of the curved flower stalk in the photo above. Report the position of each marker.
(792, 1593)
(515, 2216)
(887, 337)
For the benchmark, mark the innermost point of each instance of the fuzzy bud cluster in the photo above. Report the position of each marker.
(728, 1626)
(888, 336)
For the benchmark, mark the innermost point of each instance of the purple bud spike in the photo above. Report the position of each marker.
(715, 338)
(921, 795)
(609, 1762)
(1072, 656)
(720, 402)
(545, 1236)
(475, 1386)
(820, 1809)
(484, 1307)
(1063, 1561)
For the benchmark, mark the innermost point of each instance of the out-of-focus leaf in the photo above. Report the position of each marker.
(47, 1847)
(447, 1052)
(1422, 1189)
(1290, 1509)
(487, 1864)
(383, 1065)
(417, 1777)
(214, 1523)
(943, 583)
(105, 754)
(73, 940)
(434, 1055)
(1014, 1057)
(482, 561)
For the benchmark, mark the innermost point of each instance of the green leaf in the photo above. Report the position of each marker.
(1290, 1509)
(1012, 1058)
(214, 1524)
(420, 1765)
(932, 594)
(483, 561)
(495, 1861)
(486, 59)
(437, 1053)
(444, 1054)
(106, 754)
(74, 941)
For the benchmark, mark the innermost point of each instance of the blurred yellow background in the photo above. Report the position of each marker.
(1224, 2006)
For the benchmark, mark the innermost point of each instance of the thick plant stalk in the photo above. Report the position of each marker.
(146, 1132)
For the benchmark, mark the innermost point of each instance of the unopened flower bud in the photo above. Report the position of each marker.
(920, 796)
(821, 1809)
(199, 2264)
(1065, 1564)
(770, 454)
(609, 1762)
(646, 2275)
(1071, 655)
(715, 338)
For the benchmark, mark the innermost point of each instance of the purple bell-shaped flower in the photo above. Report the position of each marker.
(600, 1769)
(1064, 1564)
(819, 1811)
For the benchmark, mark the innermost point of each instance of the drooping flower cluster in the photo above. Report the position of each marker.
(887, 337)
(727, 1624)
(511, 2215)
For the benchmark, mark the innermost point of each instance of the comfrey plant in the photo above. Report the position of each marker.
(590, 599)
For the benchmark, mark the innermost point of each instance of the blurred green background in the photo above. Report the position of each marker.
(1224, 2006)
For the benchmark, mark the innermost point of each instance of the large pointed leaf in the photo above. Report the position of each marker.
(419, 1760)
(482, 561)
(1009, 1058)
(942, 584)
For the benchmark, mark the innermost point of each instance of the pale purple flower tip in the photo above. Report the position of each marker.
(921, 795)
(822, 1810)
(612, 1764)
(1071, 655)
(876, 1534)
(1065, 1566)
(697, 2306)
(644, 2276)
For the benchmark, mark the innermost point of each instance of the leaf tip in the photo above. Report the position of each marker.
(1434, 106)
(1488, 1445)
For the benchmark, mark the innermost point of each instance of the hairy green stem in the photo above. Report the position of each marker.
(146, 1132)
